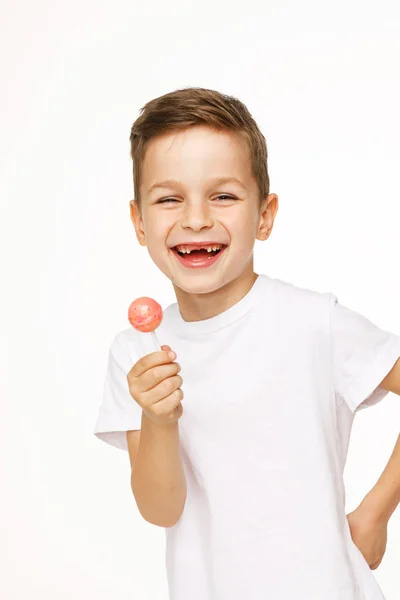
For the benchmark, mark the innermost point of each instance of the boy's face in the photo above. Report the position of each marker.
(199, 209)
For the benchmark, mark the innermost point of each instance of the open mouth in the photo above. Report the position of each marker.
(198, 256)
(199, 251)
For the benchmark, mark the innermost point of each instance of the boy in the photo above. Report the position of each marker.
(247, 478)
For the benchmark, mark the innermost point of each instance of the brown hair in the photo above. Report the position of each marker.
(192, 106)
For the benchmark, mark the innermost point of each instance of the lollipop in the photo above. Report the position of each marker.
(145, 314)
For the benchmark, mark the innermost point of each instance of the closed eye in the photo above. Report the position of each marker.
(175, 200)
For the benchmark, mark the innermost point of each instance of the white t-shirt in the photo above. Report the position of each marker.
(271, 387)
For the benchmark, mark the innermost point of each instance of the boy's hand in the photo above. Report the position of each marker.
(154, 384)
(369, 533)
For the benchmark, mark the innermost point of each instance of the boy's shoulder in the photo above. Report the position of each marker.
(297, 295)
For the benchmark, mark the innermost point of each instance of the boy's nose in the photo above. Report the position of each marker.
(197, 216)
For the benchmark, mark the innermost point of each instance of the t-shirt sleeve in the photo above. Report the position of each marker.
(119, 412)
(362, 355)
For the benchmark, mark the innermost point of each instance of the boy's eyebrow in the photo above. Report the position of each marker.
(216, 181)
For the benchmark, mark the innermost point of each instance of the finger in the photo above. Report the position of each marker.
(151, 378)
(149, 361)
(161, 391)
(168, 404)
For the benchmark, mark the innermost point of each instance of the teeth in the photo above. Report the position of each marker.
(184, 250)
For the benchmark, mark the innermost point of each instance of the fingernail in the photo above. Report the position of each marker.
(172, 355)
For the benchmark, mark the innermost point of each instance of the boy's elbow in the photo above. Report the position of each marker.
(165, 523)
(162, 520)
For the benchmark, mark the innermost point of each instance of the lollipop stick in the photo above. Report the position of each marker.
(156, 343)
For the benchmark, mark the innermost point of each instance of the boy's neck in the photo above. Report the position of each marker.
(198, 307)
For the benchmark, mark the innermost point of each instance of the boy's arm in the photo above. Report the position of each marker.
(384, 497)
(391, 382)
(158, 480)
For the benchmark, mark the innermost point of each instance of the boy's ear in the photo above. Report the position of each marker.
(137, 221)
(268, 210)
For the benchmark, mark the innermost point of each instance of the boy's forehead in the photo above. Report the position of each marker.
(200, 150)
(194, 139)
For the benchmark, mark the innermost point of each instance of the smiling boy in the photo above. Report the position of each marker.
(238, 449)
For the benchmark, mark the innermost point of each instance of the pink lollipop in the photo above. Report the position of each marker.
(145, 314)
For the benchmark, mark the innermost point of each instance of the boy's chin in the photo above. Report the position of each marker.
(201, 284)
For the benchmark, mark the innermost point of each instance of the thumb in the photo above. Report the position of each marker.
(166, 348)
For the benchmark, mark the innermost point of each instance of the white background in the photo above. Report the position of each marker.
(321, 79)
